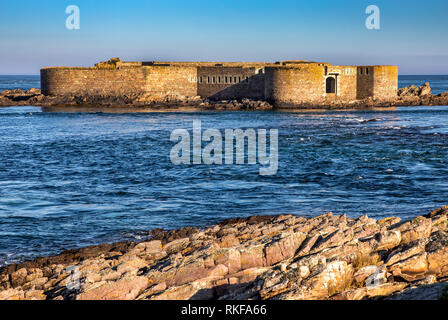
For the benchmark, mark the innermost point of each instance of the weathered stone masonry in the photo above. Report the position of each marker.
(284, 84)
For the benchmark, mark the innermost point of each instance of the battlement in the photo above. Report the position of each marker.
(283, 83)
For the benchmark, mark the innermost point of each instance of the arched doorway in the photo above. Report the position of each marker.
(331, 85)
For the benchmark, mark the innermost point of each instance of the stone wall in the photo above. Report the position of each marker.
(346, 82)
(227, 83)
(294, 85)
(92, 81)
(364, 82)
(284, 84)
(158, 81)
(288, 86)
(385, 82)
(378, 82)
(162, 81)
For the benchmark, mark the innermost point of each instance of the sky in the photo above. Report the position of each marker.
(412, 34)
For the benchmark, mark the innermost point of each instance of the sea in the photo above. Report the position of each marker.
(72, 179)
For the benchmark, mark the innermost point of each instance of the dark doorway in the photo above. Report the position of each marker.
(331, 85)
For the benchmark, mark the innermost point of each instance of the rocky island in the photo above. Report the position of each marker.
(294, 84)
(260, 257)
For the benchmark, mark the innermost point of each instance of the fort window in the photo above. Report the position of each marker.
(226, 80)
(331, 85)
(208, 79)
(367, 70)
(239, 79)
(213, 79)
(234, 80)
(219, 79)
(200, 79)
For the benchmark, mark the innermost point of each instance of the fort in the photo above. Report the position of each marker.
(283, 84)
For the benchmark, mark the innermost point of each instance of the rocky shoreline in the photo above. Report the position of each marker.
(261, 257)
(408, 96)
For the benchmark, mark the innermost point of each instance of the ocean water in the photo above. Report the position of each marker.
(19, 82)
(70, 179)
(439, 84)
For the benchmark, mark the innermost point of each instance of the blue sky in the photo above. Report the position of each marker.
(413, 33)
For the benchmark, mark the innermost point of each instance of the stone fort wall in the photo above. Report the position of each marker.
(154, 80)
(385, 82)
(285, 84)
(74, 81)
(231, 82)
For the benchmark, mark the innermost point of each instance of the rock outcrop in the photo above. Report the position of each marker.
(17, 97)
(413, 91)
(261, 257)
(33, 97)
(420, 96)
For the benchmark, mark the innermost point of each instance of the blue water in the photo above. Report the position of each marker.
(68, 180)
(439, 84)
(19, 82)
